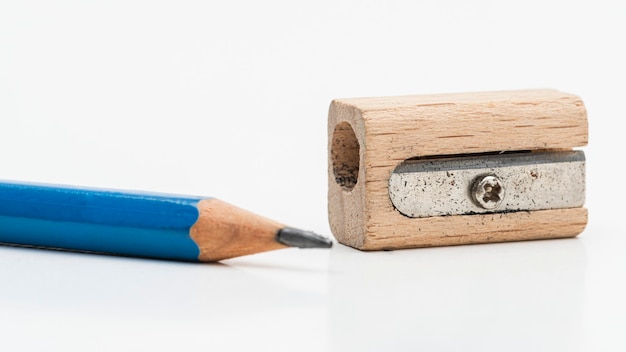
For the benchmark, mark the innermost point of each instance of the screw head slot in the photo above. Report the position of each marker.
(488, 191)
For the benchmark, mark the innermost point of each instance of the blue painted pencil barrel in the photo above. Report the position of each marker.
(115, 222)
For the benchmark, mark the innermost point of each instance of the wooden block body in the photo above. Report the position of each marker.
(369, 137)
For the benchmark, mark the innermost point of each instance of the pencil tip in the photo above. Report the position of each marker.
(293, 237)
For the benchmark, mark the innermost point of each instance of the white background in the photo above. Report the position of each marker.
(230, 99)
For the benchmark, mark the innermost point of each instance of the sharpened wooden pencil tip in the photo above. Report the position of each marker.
(293, 237)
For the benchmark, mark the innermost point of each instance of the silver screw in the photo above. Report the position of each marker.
(488, 191)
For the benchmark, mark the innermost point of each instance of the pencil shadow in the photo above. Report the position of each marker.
(35, 281)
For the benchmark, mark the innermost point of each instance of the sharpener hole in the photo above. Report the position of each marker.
(345, 156)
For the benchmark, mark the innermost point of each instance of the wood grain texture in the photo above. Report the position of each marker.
(224, 231)
(407, 232)
(390, 130)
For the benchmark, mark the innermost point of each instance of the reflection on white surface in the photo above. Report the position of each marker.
(508, 297)
(556, 295)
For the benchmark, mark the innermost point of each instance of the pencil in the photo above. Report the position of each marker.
(139, 224)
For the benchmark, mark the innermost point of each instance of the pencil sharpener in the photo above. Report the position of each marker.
(452, 169)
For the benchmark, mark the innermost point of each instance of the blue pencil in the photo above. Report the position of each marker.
(139, 224)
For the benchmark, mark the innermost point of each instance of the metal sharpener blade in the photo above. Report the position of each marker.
(521, 181)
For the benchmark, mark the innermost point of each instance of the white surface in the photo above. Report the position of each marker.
(231, 100)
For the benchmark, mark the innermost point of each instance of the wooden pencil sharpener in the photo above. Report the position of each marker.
(452, 169)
